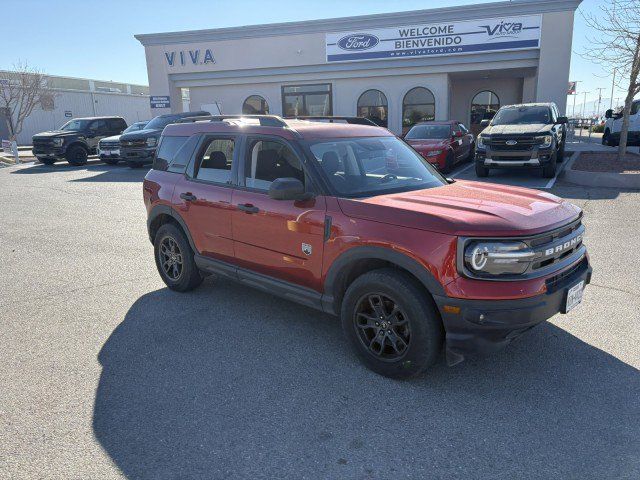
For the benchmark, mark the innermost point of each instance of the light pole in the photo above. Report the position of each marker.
(613, 84)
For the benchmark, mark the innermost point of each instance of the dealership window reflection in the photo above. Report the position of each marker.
(483, 107)
(255, 105)
(307, 100)
(372, 104)
(418, 105)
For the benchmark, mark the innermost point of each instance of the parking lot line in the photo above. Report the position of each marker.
(461, 171)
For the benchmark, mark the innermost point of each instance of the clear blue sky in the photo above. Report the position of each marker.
(94, 39)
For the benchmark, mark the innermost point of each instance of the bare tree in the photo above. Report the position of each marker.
(21, 90)
(617, 47)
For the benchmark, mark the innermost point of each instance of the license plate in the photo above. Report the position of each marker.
(574, 296)
(110, 152)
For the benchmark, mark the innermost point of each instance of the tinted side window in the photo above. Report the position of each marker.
(267, 160)
(214, 165)
(635, 106)
(98, 126)
(169, 146)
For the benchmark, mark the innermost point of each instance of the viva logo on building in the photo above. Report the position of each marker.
(191, 57)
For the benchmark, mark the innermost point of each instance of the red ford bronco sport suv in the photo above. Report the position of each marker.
(352, 221)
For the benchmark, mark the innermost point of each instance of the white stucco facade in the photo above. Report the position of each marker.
(517, 64)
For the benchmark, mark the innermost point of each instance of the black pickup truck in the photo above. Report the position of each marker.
(530, 135)
(76, 139)
(138, 148)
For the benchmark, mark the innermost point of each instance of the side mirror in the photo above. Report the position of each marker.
(288, 189)
(484, 123)
(608, 114)
(563, 120)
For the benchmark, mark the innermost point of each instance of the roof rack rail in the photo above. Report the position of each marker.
(332, 119)
(264, 120)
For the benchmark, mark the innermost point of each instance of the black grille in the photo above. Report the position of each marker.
(557, 279)
(42, 142)
(133, 143)
(521, 142)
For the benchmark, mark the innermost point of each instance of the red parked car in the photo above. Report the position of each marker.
(350, 220)
(443, 144)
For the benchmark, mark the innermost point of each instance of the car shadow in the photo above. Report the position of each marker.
(104, 173)
(226, 382)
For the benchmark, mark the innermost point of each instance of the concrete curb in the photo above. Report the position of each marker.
(599, 179)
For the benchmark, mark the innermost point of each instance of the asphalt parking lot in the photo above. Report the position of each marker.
(105, 373)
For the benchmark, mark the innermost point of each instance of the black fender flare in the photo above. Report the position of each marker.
(331, 299)
(167, 210)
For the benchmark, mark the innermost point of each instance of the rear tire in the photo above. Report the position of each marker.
(472, 153)
(549, 170)
(448, 162)
(411, 338)
(47, 161)
(174, 259)
(76, 156)
(481, 170)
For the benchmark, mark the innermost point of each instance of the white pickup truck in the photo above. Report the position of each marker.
(613, 125)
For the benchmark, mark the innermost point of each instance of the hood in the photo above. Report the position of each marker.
(517, 129)
(141, 134)
(467, 209)
(114, 138)
(428, 143)
(57, 133)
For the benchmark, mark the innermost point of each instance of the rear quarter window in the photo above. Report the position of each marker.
(171, 156)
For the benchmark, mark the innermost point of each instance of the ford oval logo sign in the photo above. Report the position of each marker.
(511, 142)
(358, 41)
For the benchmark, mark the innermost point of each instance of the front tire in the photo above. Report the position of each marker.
(605, 137)
(392, 323)
(174, 259)
(481, 170)
(76, 156)
(549, 170)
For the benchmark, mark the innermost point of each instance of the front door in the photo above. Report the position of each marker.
(278, 238)
(203, 197)
(97, 129)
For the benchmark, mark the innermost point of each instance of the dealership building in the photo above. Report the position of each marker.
(458, 63)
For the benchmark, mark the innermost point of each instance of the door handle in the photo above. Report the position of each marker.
(189, 197)
(248, 208)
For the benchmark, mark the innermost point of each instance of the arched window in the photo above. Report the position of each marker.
(419, 105)
(483, 107)
(255, 105)
(372, 104)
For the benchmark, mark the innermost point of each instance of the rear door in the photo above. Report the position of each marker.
(97, 130)
(202, 196)
(279, 238)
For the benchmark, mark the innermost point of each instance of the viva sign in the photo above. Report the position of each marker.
(191, 57)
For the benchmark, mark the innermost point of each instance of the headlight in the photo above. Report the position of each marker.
(545, 142)
(58, 142)
(152, 141)
(497, 258)
(433, 153)
(480, 142)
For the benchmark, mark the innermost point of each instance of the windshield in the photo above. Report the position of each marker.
(75, 125)
(522, 116)
(135, 127)
(367, 166)
(421, 132)
(160, 122)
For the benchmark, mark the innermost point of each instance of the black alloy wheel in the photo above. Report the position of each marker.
(76, 156)
(170, 257)
(382, 327)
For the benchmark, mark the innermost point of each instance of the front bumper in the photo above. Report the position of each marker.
(485, 326)
(141, 155)
(49, 151)
(504, 158)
